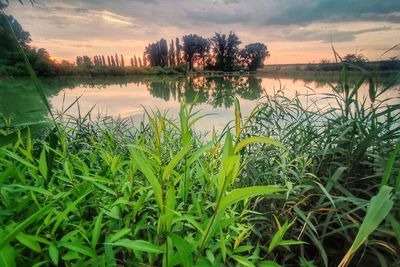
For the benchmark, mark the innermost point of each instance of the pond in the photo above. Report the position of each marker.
(128, 96)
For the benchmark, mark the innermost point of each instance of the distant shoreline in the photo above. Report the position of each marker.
(286, 70)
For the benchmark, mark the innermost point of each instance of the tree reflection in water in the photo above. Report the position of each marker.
(217, 91)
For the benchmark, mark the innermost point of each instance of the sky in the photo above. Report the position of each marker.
(295, 31)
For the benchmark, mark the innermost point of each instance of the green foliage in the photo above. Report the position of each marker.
(11, 58)
(157, 53)
(119, 194)
(337, 158)
(195, 47)
(253, 55)
(378, 208)
(226, 51)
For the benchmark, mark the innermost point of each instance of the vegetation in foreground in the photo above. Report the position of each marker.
(321, 190)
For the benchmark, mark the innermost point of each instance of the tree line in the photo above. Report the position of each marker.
(221, 52)
(112, 61)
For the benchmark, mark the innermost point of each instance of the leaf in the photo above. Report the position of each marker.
(242, 261)
(269, 264)
(199, 152)
(34, 189)
(184, 250)
(389, 165)
(145, 168)
(170, 203)
(109, 256)
(118, 235)
(7, 256)
(290, 242)
(257, 139)
(238, 118)
(210, 256)
(28, 241)
(21, 160)
(228, 146)
(97, 230)
(43, 164)
(228, 173)
(78, 247)
(395, 226)
(247, 192)
(241, 237)
(175, 160)
(378, 208)
(139, 245)
(4, 239)
(69, 208)
(372, 89)
(53, 253)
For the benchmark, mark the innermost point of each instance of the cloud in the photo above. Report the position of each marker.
(85, 26)
(219, 17)
(308, 11)
(334, 35)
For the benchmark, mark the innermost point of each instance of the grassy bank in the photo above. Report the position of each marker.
(291, 185)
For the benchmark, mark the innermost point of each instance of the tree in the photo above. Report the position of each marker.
(178, 51)
(355, 59)
(112, 61)
(109, 61)
(194, 46)
(226, 50)
(144, 59)
(7, 40)
(253, 55)
(204, 50)
(140, 62)
(163, 53)
(79, 60)
(135, 61)
(157, 53)
(171, 54)
(116, 60)
(122, 61)
(324, 61)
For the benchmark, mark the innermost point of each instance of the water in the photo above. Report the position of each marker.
(127, 97)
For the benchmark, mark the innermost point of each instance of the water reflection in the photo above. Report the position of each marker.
(217, 91)
(126, 96)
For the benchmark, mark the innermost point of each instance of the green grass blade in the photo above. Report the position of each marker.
(139, 245)
(247, 192)
(23, 225)
(257, 139)
(379, 207)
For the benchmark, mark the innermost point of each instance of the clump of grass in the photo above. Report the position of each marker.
(339, 155)
(110, 194)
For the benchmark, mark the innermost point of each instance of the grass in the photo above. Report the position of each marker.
(282, 187)
(339, 157)
(117, 195)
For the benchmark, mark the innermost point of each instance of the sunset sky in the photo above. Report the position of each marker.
(295, 31)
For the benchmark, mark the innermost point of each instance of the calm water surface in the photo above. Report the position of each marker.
(126, 97)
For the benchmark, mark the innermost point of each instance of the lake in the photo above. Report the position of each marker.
(128, 96)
